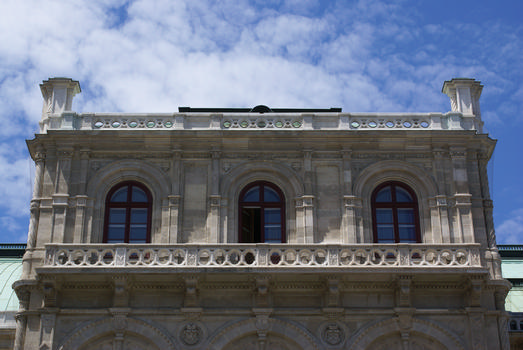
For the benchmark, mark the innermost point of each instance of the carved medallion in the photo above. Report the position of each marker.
(191, 334)
(333, 334)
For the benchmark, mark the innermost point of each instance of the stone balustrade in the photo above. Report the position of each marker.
(262, 255)
(259, 121)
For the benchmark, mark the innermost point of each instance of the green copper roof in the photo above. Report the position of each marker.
(10, 271)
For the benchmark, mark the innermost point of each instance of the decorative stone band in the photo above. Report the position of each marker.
(263, 255)
(257, 121)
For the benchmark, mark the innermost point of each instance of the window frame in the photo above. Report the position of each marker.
(395, 205)
(128, 205)
(262, 205)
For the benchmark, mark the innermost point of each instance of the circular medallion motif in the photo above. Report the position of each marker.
(191, 334)
(333, 334)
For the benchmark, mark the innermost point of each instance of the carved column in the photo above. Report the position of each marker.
(439, 208)
(333, 292)
(47, 326)
(191, 292)
(504, 339)
(35, 202)
(61, 195)
(463, 227)
(404, 291)
(261, 294)
(477, 328)
(305, 219)
(121, 291)
(404, 319)
(262, 325)
(214, 200)
(119, 326)
(35, 211)
(351, 203)
(23, 295)
(175, 198)
(80, 235)
(305, 204)
(354, 232)
(21, 324)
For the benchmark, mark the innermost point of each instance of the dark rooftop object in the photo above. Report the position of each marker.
(258, 109)
(510, 251)
(12, 250)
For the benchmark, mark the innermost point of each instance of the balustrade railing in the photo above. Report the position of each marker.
(257, 121)
(262, 255)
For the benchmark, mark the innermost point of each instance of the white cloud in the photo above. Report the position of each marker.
(510, 231)
(156, 55)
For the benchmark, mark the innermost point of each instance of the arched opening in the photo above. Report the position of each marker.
(128, 208)
(261, 213)
(395, 214)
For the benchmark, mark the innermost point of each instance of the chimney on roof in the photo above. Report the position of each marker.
(464, 94)
(58, 95)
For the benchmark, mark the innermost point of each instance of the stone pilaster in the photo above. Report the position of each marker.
(47, 327)
(81, 201)
(476, 316)
(462, 225)
(305, 219)
(352, 220)
(174, 199)
(119, 326)
(214, 200)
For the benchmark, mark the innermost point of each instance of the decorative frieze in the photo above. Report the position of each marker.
(262, 255)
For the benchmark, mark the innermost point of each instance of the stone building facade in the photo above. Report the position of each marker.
(261, 229)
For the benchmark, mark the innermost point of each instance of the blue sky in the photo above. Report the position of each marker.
(363, 56)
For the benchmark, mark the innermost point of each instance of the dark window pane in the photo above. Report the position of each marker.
(138, 215)
(272, 233)
(272, 215)
(384, 195)
(384, 216)
(270, 195)
(385, 233)
(138, 232)
(405, 216)
(138, 195)
(120, 195)
(407, 233)
(116, 232)
(117, 215)
(252, 195)
(402, 195)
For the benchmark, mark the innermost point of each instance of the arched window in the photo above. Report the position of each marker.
(128, 214)
(395, 214)
(262, 214)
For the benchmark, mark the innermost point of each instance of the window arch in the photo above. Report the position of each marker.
(261, 213)
(395, 214)
(128, 208)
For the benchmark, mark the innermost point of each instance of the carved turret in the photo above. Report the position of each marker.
(464, 94)
(58, 96)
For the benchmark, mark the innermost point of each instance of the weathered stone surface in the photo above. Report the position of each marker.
(194, 286)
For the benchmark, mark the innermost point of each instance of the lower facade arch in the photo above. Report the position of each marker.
(388, 334)
(280, 334)
(101, 333)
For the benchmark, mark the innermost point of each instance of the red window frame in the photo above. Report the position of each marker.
(128, 205)
(261, 204)
(395, 205)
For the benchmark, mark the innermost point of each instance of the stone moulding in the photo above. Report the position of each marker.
(255, 121)
(272, 256)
